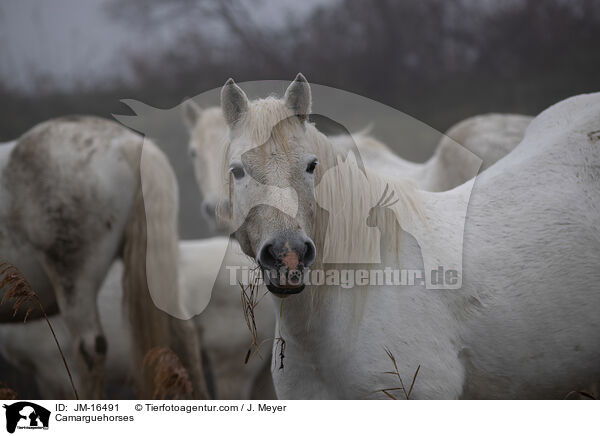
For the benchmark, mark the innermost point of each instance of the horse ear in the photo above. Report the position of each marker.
(297, 97)
(191, 113)
(234, 102)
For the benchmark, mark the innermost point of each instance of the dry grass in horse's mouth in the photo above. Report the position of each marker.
(171, 379)
(250, 299)
(21, 291)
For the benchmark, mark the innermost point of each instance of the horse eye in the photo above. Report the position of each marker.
(310, 168)
(237, 171)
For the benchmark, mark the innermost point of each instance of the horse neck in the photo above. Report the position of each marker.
(438, 229)
(323, 316)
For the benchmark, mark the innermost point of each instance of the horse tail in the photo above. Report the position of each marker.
(150, 256)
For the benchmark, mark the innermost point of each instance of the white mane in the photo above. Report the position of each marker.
(348, 195)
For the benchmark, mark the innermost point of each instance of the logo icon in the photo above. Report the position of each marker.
(26, 415)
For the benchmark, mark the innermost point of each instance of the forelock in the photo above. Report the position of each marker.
(266, 117)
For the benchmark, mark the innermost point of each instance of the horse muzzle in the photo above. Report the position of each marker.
(284, 259)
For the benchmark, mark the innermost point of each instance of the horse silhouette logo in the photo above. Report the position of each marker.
(26, 415)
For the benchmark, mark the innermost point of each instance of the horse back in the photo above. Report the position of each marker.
(68, 181)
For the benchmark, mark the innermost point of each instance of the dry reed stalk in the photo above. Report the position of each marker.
(396, 372)
(171, 379)
(250, 300)
(21, 291)
(7, 393)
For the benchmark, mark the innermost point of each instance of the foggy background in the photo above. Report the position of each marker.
(439, 61)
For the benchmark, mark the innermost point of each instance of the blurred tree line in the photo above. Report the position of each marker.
(437, 60)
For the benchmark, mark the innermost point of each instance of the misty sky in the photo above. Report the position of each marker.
(74, 42)
(68, 40)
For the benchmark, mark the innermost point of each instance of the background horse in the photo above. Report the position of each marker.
(72, 202)
(466, 149)
(523, 324)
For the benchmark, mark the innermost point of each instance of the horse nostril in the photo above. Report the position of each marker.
(271, 251)
(267, 256)
(309, 253)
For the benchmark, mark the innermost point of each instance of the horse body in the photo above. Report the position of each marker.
(536, 335)
(72, 202)
(523, 324)
(489, 136)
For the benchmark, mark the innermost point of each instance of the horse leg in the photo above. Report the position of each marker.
(76, 287)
